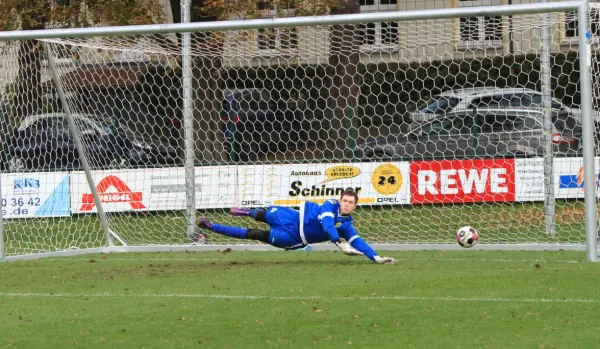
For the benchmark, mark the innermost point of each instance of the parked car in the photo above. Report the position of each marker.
(490, 133)
(488, 97)
(258, 121)
(44, 142)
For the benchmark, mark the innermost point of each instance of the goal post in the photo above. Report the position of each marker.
(79, 147)
(477, 116)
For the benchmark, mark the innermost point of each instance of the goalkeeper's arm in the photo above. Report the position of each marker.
(358, 246)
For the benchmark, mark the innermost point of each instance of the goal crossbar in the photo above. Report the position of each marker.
(397, 16)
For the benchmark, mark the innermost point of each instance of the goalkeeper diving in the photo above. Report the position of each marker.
(294, 229)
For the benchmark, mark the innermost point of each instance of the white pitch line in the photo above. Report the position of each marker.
(108, 259)
(294, 298)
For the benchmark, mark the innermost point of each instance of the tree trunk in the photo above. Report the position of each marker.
(344, 58)
(28, 91)
(209, 148)
(27, 86)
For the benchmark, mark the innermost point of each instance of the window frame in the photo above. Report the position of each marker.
(277, 45)
(377, 29)
(482, 25)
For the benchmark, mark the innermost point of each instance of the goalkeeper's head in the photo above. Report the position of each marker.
(348, 201)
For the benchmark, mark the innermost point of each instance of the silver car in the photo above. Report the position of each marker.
(488, 97)
(488, 133)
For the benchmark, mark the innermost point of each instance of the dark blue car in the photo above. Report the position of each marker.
(44, 142)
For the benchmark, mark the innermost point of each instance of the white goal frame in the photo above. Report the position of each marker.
(581, 7)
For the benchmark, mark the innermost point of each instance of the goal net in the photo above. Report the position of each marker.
(436, 124)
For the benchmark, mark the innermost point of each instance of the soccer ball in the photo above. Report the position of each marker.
(467, 237)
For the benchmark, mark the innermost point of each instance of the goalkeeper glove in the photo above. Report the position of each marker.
(347, 249)
(385, 260)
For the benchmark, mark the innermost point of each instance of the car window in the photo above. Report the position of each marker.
(535, 100)
(490, 101)
(529, 100)
(493, 123)
(514, 100)
(462, 124)
(263, 105)
(556, 104)
(58, 127)
(564, 122)
(106, 127)
(48, 127)
(273, 105)
(531, 124)
(265, 96)
(37, 126)
(226, 106)
(517, 124)
(439, 105)
(437, 127)
(256, 100)
(502, 100)
(518, 100)
(256, 95)
(480, 102)
(249, 101)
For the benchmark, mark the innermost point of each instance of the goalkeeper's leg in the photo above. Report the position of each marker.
(257, 213)
(279, 215)
(258, 234)
(234, 232)
(275, 237)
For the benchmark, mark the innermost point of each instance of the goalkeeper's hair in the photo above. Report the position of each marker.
(350, 192)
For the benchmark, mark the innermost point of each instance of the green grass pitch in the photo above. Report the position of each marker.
(496, 223)
(434, 299)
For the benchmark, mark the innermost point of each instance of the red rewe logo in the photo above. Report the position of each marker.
(456, 181)
(123, 194)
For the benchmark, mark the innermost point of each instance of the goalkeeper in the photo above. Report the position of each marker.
(291, 229)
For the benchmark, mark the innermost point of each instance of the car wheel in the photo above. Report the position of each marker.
(16, 164)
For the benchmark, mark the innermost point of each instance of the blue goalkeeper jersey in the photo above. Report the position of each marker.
(319, 223)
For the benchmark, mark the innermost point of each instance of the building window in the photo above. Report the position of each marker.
(378, 36)
(275, 41)
(480, 32)
(271, 5)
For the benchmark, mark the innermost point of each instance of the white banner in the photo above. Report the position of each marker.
(58, 194)
(568, 178)
(529, 179)
(154, 189)
(26, 195)
(290, 184)
(568, 173)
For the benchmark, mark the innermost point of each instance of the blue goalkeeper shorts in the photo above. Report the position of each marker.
(284, 231)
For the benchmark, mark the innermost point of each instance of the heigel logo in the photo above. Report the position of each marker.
(574, 181)
(123, 194)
